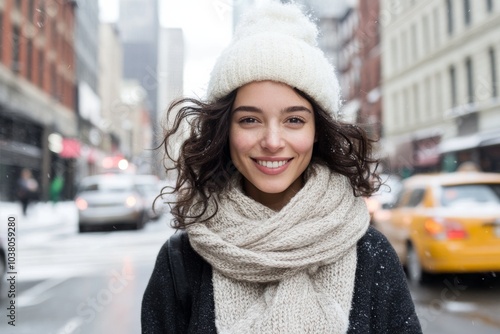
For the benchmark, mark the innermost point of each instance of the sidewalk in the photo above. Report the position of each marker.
(41, 216)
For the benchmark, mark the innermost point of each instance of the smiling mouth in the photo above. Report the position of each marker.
(272, 164)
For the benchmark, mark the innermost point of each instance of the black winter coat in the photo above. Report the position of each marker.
(381, 301)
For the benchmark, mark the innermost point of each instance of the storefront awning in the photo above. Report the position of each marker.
(469, 142)
(70, 148)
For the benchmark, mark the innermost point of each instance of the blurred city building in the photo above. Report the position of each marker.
(114, 119)
(139, 28)
(348, 61)
(328, 16)
(94, 139)
(170, 76)
(440, 73)
(37, 92)
(350, 38)
(137, 122)
(368, 34)
(170, 68)
(350, 35)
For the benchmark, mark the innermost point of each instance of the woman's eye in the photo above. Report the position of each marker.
(248, 120)
(295, 120)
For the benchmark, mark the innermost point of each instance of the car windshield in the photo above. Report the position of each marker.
(147, 188)
(470, 195)
(107, 185)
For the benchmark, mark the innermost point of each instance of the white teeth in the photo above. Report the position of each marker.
(271, 164)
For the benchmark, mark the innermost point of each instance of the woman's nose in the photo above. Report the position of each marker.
(273, 139)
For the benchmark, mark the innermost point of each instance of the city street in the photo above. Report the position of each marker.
(93, 283)
(80, 283)
(458, 305)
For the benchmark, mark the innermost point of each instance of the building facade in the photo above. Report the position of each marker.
(368, 35)
(139, 28)
(95, 142)
(37, 92)
(137, 124)
(440, 73)
(113, 118)
(170, 68)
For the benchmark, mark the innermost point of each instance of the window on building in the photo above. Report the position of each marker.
(426, 38)
(53, 81)
(18, 4)
(41, 65)
(6, 128)
(396, 108)
(467, 13)
(16, 38)
(493, 68)
(394, 53)
(449, 12)
(404, 48)
(29, 59)
(439, 96)
(406, 107)
(453, 86)
(416, 103)
(31, 11)
(414, 42)
(53, 35)
(437, 27)
(489, 5)
(470, 80)
(1, 35)
(428, 99)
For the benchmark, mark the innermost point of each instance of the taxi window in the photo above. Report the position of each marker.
(402, 198)
(416, 197)
(470, 195)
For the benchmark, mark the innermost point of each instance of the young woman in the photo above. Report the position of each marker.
(268, 190)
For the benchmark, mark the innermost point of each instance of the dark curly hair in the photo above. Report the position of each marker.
(204, 165)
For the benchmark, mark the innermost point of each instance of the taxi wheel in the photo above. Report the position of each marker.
(413, 267)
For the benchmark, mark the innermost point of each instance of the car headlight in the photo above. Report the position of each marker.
(131, 201)
(81, 204)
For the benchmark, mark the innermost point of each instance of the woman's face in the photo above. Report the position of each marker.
(271, 140)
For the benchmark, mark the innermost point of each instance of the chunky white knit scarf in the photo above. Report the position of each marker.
(290, 271)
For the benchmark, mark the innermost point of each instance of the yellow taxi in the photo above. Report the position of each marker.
(446, 223)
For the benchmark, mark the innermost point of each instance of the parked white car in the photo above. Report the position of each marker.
(110, 200)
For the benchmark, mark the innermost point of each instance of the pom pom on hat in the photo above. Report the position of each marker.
(276, 42)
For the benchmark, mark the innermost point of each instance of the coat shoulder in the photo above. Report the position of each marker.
(381, 302)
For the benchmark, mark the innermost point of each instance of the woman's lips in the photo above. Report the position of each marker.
(272, 166)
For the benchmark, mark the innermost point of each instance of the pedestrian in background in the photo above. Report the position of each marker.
(27, 189)
(268, 191)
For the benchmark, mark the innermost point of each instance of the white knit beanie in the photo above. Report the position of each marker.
(276, 42)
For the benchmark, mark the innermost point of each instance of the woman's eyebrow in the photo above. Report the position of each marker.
(297, 108)
(286, 110)
(247, 108)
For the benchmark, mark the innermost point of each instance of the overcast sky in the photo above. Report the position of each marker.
(207, 26)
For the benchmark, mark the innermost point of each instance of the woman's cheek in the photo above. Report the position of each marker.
(303, 143)
(242, 140)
